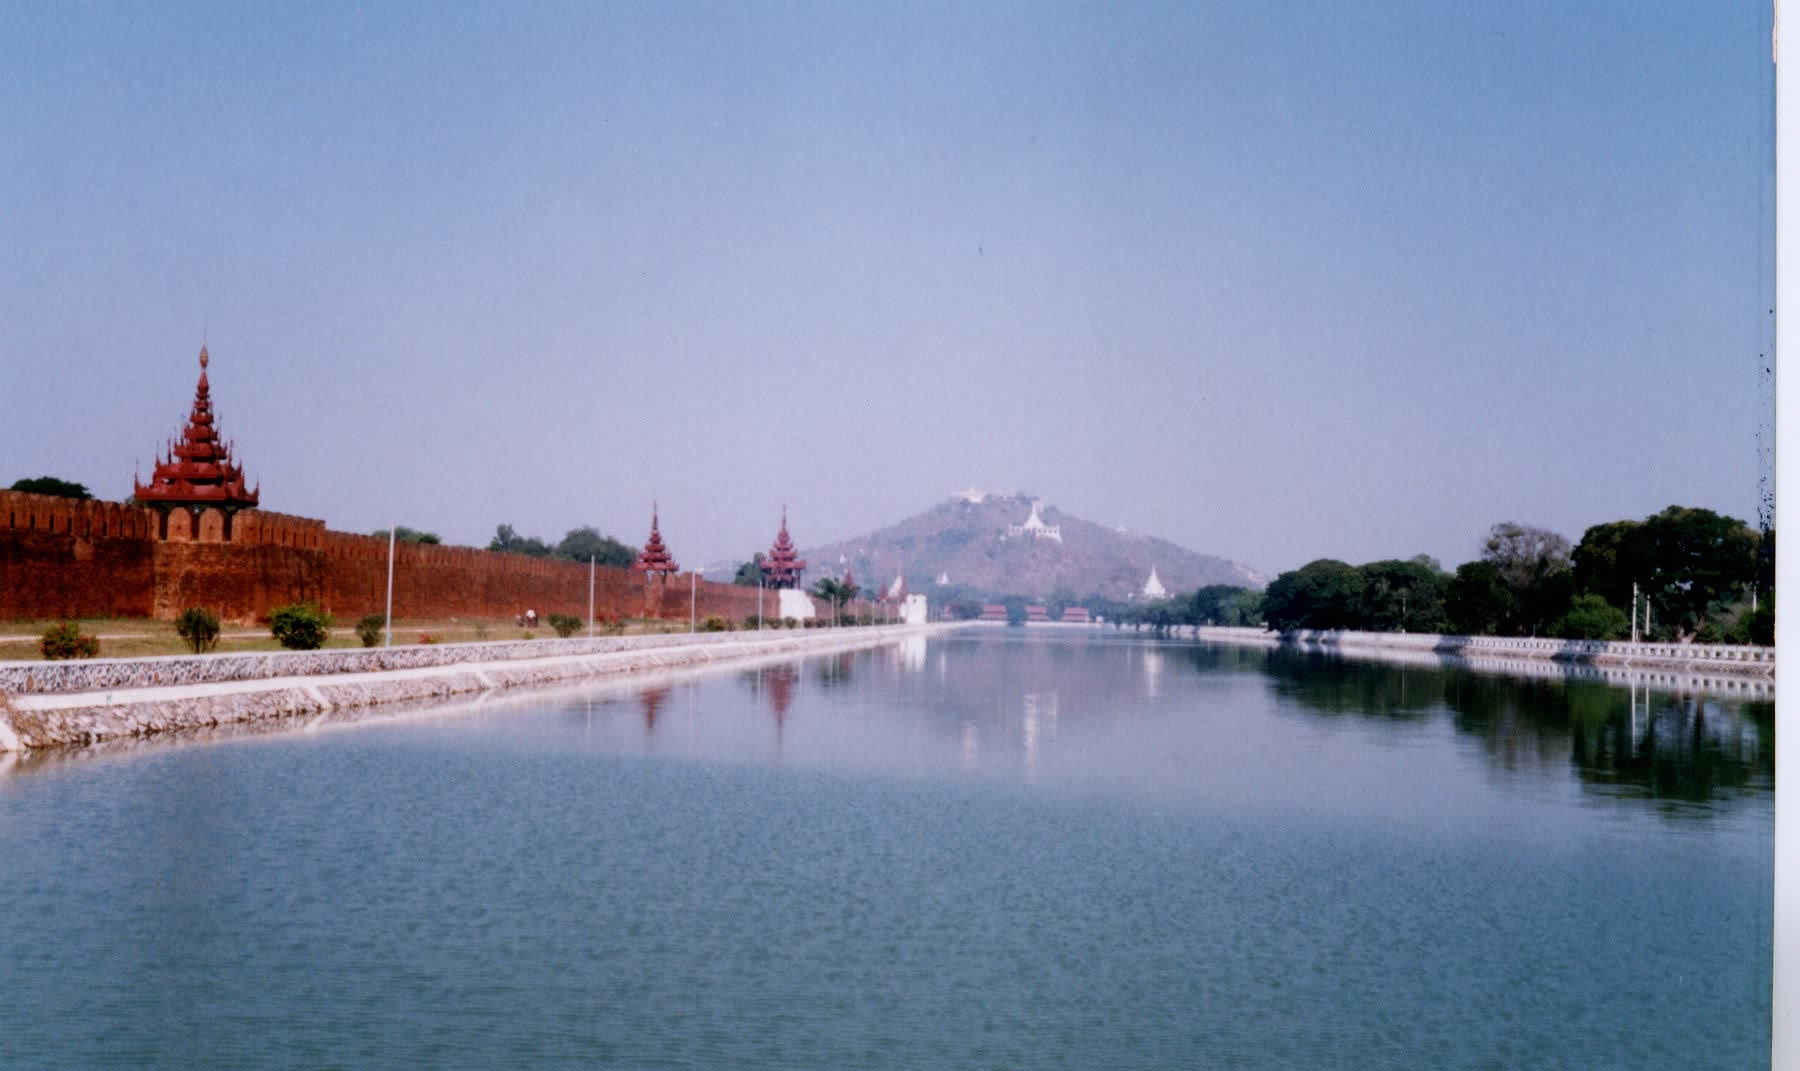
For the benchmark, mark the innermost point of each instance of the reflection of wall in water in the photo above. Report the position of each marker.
(1038, 717)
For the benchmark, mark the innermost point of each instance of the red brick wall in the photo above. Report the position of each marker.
(66, 558)
(62, 557)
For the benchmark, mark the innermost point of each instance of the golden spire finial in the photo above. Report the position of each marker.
(203, 357)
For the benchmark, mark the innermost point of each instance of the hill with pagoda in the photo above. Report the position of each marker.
(1002, 545)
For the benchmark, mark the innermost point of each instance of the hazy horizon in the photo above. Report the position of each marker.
(1273, 284)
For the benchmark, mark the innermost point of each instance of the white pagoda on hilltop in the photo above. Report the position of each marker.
(1153, 587)
(1035, 527)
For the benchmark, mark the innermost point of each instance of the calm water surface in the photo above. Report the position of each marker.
(985, 851)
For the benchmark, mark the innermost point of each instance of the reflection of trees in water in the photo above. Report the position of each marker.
(837, 669)
(1681, 747)
(1626, 741)
(1327, 683)
(1225, 658)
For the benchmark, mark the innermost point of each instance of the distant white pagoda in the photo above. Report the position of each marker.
(1035, 527)
(943, 579)
(1153, 588)
(896, 592)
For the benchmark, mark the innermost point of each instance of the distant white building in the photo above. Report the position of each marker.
(943, 579)
(1153, 587)
(795, 604)
(1035, 527)
(913, 611)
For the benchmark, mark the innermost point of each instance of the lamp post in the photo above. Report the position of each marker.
(388, 628)
(693, 584)
(590, 596)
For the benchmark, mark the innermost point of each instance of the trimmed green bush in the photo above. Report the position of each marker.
(714, 623)
(370, 628)
(198, 627)
(566, 625)
(65, 640)
(300, 626)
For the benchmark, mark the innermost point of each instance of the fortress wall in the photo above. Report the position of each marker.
(237, 582)
(63, 557)
(440, 581)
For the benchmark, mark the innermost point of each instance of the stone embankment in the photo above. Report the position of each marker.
(1686, 666)
(44, 704)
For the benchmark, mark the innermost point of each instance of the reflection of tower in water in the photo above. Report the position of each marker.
(778, 683)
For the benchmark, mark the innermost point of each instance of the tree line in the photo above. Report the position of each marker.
(1683, 574)
(577, 546)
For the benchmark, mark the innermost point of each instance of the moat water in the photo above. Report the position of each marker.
(982, 851)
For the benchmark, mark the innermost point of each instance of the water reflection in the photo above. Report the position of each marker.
(652, 700)
(1631, 741)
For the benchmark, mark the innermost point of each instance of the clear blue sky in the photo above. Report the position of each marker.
(1275, 282)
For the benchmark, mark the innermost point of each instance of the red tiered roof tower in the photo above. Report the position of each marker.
(782, 567)
(198, 470)
(654, 558)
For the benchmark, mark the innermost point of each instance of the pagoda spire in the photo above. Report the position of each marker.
(654, 559)
(782, 567)
(197, 469)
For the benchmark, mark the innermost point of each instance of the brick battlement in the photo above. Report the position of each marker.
(81, 518)
(65, 558)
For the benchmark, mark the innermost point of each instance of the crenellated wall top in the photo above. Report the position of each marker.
(84, 518)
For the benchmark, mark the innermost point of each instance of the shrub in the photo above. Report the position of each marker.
(789, 622)
(1591, 617)
(370, 628)
(66, 641)
(751, 621)
(426, 637)
(198, 627)
(714, 623)
(566, 625)
(300, 626)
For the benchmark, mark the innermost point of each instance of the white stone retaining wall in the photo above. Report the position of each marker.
(325, 681)
(99, 674)
(1689, 657)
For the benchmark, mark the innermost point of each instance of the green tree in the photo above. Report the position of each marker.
(1218, 604)
(505, 539)
(369, 629)
(66, 640)
(50, 485)
(403, 534)
(300, 626)
(1699, 562)
(580, 543)
(1591, 617)
(1534, 565)
(1477, 601)
(1404, 596)
(835, 591)
(198, 628)
(1609, 559)
(1323, 594)
(750, 573)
